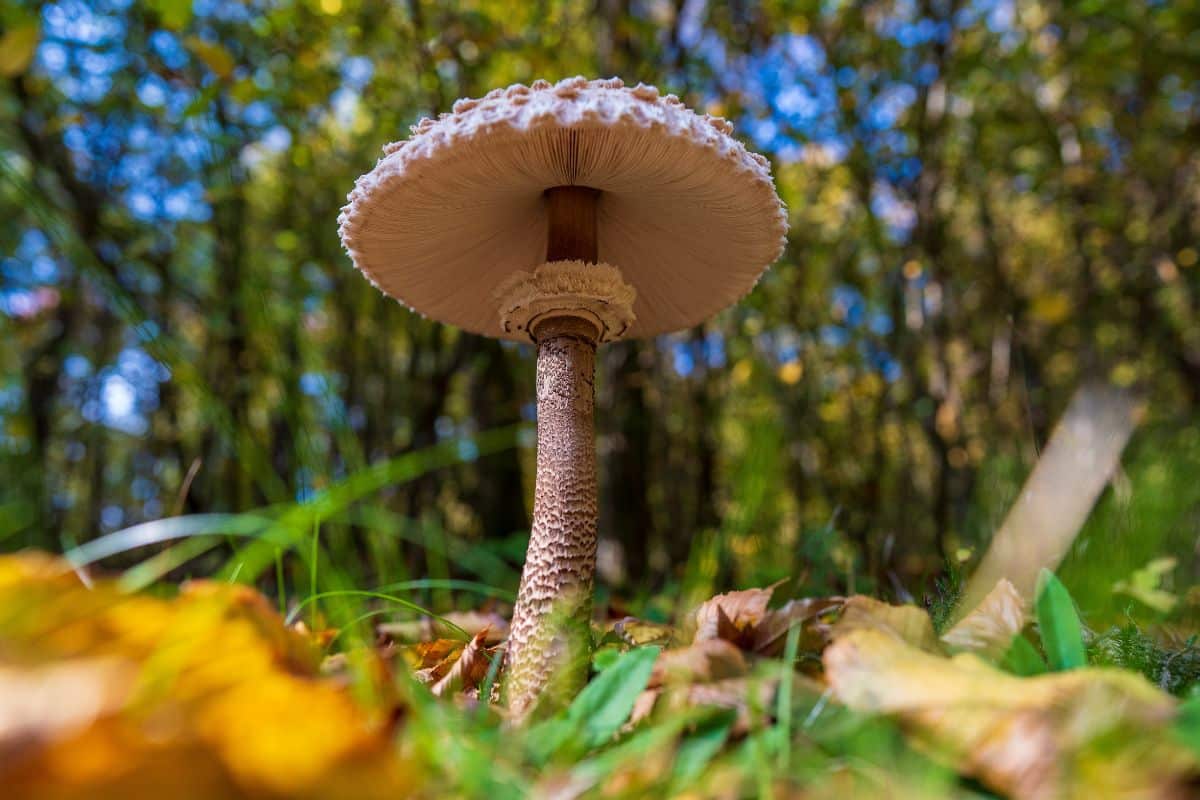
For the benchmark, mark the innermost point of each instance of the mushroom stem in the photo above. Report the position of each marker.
(571, 211)
(549, 640)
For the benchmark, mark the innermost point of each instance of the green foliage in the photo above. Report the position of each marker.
(600, 709)
(1023, 658)
(1175, 669)
(699, 747)
(1058, 623)
(1187, 727)
(947, 593)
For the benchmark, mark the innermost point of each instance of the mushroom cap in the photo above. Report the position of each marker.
(688, 215)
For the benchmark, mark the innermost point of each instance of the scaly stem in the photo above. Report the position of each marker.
(548, 643)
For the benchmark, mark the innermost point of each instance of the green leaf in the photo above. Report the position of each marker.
(1023, 659)
(698, 749)
(599, 710)
(17, 48)
(1062, 634)
(605, 703)
(549, 737)
(605, 657)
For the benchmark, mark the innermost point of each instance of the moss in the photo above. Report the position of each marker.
(1174, 669)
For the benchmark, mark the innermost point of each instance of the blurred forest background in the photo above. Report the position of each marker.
(991, 202)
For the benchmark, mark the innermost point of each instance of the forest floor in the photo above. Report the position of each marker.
(210, 691)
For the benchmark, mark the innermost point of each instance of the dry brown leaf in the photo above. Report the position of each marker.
(990, 628)
(468, 670)
(430, 661)
(771, 633)
(910, 623)
(708, 660)
(1078, 734)
(732, 613)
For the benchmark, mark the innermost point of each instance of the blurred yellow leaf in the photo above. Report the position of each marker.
(104, 694)
(17, 48)
(907, 623)
(1080, 734)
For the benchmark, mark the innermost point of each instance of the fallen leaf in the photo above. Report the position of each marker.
(771, 633)
(437, 656)
(468, 670)
(707, 660)
(909, 623)
(990, 628)
(1086, 733)
(732, 613)
(52, 701)
(111, 695)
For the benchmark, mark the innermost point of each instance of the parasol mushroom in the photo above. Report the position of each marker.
(566, 215)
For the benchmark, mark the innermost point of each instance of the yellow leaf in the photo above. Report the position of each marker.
(112, 695)
(1079, 734)
(907, 623)
(17, 48)
(214, 56)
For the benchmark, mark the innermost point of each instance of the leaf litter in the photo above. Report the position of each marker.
(107, 694)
